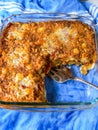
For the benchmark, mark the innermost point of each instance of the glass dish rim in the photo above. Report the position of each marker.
(45, 104)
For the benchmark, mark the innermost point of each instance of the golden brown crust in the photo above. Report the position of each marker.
(28, 50)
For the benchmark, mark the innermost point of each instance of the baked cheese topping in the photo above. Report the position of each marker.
(29, 50)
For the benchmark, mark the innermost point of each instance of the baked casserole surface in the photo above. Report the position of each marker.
(29, 50)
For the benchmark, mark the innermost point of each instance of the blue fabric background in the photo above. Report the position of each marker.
(75, 120)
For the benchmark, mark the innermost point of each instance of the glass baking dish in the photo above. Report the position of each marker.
(68, 96)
